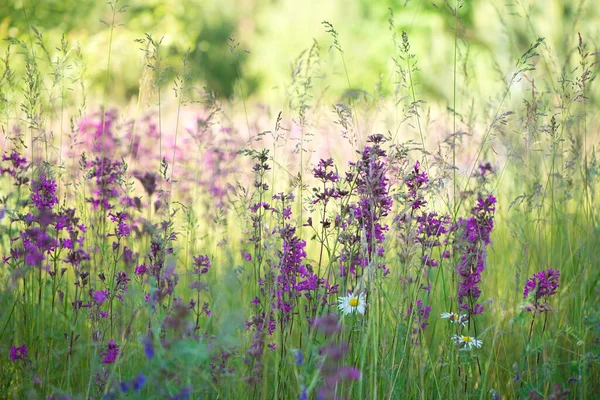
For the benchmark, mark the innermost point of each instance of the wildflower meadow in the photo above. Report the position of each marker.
(284, 200)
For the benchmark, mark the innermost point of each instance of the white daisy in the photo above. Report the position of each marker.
(455, 318)
(467, 341)
(352, 303)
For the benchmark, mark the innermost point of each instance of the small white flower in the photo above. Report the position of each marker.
(455, 318)
(467, 341)
(352, 303)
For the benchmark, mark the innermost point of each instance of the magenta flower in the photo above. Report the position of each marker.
(365, 218)
(112, 351)
(18, 353)
(123, 229)
(540, 287)
(141, 269)
(43, 193)
(544, 283)
(19, 165)
(474, 236)
(100, 296)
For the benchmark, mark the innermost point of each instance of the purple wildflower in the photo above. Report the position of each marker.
(17, 169)
(201, 264)
(123, 229)
(121, 284)
(473, 238)
(107, 175)
(148, 348)
(366, 215)
(18, 353)
(299, 359)
(148, 181)
(139, 382)
(140, 270)
(421, 314)
(540, 287)
(43, 193)
(111, 353)
(304, 394)
(100, 296)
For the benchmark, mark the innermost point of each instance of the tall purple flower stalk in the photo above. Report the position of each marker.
(473, 237)
(295, 278)
(365, 217)
(107, 175)
(201, 268)
(421, 233)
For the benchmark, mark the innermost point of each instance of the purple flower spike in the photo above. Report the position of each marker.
(112, 351)
(43, 193)
(540, 287)
(474, 236)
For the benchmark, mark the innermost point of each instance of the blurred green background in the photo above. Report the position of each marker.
(272, 33)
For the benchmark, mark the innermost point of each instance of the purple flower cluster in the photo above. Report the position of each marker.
(123, 228)
(42, 234)
(296, 278)
(111, 352)
(421, 314)
(49, 233)
(121, 284)
(431, 228)
(324, 172)
(473, 236)
(260, 168)
(100, 296)
(16, 169)
(43, 193)
(74, 243)
(36, 244)
(365, 217)
(421, 232)
(261, 322)
(416, 182)
(484, 170)
(107, 176)
(540, 287)
(18, 353)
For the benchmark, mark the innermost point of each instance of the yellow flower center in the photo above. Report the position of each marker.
(453, 317)
(467, 339)
(354, 302)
